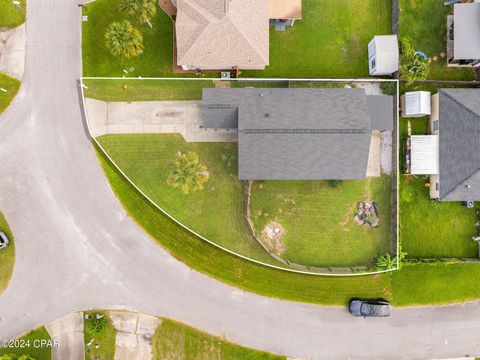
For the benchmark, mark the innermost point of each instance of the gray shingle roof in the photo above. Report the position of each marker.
(459, 144)
(296, 133)
(381, 111)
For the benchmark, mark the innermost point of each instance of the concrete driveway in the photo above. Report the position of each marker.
(154, 117)
(77, 248)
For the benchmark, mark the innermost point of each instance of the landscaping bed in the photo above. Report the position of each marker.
(318, 219)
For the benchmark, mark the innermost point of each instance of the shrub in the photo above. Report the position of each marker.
(389, 87)
(97, 323)
(334, 183)
(123, 40)
(386, 262)
(414, 66)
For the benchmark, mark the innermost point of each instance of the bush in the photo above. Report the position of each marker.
(389, 87)
(97, 324)
(334, 183)
(413, 66)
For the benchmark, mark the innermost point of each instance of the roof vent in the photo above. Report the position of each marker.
(468, 186)
(267, 115)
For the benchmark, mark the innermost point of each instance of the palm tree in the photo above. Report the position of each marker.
(188, 174)
(143, 10)
(386, 262)
(123, 40)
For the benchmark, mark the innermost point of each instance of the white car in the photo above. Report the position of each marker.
(3, 240)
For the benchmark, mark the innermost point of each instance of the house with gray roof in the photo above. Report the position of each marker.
(228, 34)
(455, 155)
(299, 133)
(463, 43)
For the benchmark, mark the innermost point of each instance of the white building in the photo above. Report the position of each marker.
(383, 55)
(416, 104)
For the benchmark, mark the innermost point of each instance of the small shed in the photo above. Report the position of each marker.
(383, 55)
(424, 152)
(416, 104)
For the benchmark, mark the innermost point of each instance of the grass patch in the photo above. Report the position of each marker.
(173, 340)
(11, 85)
(39, 353)
(7, 255)
(106, 339)
(430, 229)
(218, 264)
(407, 286)
(216, 211)
(12, 15)
(157, 58)
(145, 90)
(425, 22)
(436, 283)
(330, 41)
(318, 219)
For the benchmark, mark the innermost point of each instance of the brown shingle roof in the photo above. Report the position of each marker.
(221, 34)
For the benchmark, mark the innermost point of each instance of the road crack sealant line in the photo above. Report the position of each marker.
(84, 108)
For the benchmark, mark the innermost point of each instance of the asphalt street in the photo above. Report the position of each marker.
(76, 248)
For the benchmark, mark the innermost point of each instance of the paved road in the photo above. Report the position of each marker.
(77, 249)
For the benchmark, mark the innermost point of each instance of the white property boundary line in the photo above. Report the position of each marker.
(253, 80)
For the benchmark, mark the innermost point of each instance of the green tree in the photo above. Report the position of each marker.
(16, 357)
(123, 40)
(413, 66)
(188, 174)
(143, 10)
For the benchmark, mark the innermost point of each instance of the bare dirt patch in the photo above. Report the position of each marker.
(271, 237)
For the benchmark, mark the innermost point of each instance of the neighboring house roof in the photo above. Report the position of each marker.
(285, 9)
(459, 145)
(221, 34)
(380, 108)
(466, 30)
(296, 133)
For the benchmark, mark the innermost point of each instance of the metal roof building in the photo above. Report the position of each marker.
(383, 55)
(299, 133)
(466, 31)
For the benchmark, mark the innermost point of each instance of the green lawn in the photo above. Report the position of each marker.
(215, 212)
(430, 229)
(106, 339)
(425, 22)
(318, 219)
(11, 15)
(330, 41)
(452, 282)
(173, 340)
(156, 59)
(145, 90)
(30, 347)
(7, 255)
(11, 86)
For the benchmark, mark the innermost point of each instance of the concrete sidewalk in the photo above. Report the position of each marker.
(154, 117)
(12, 52)
(134, 335)
(69, 333)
